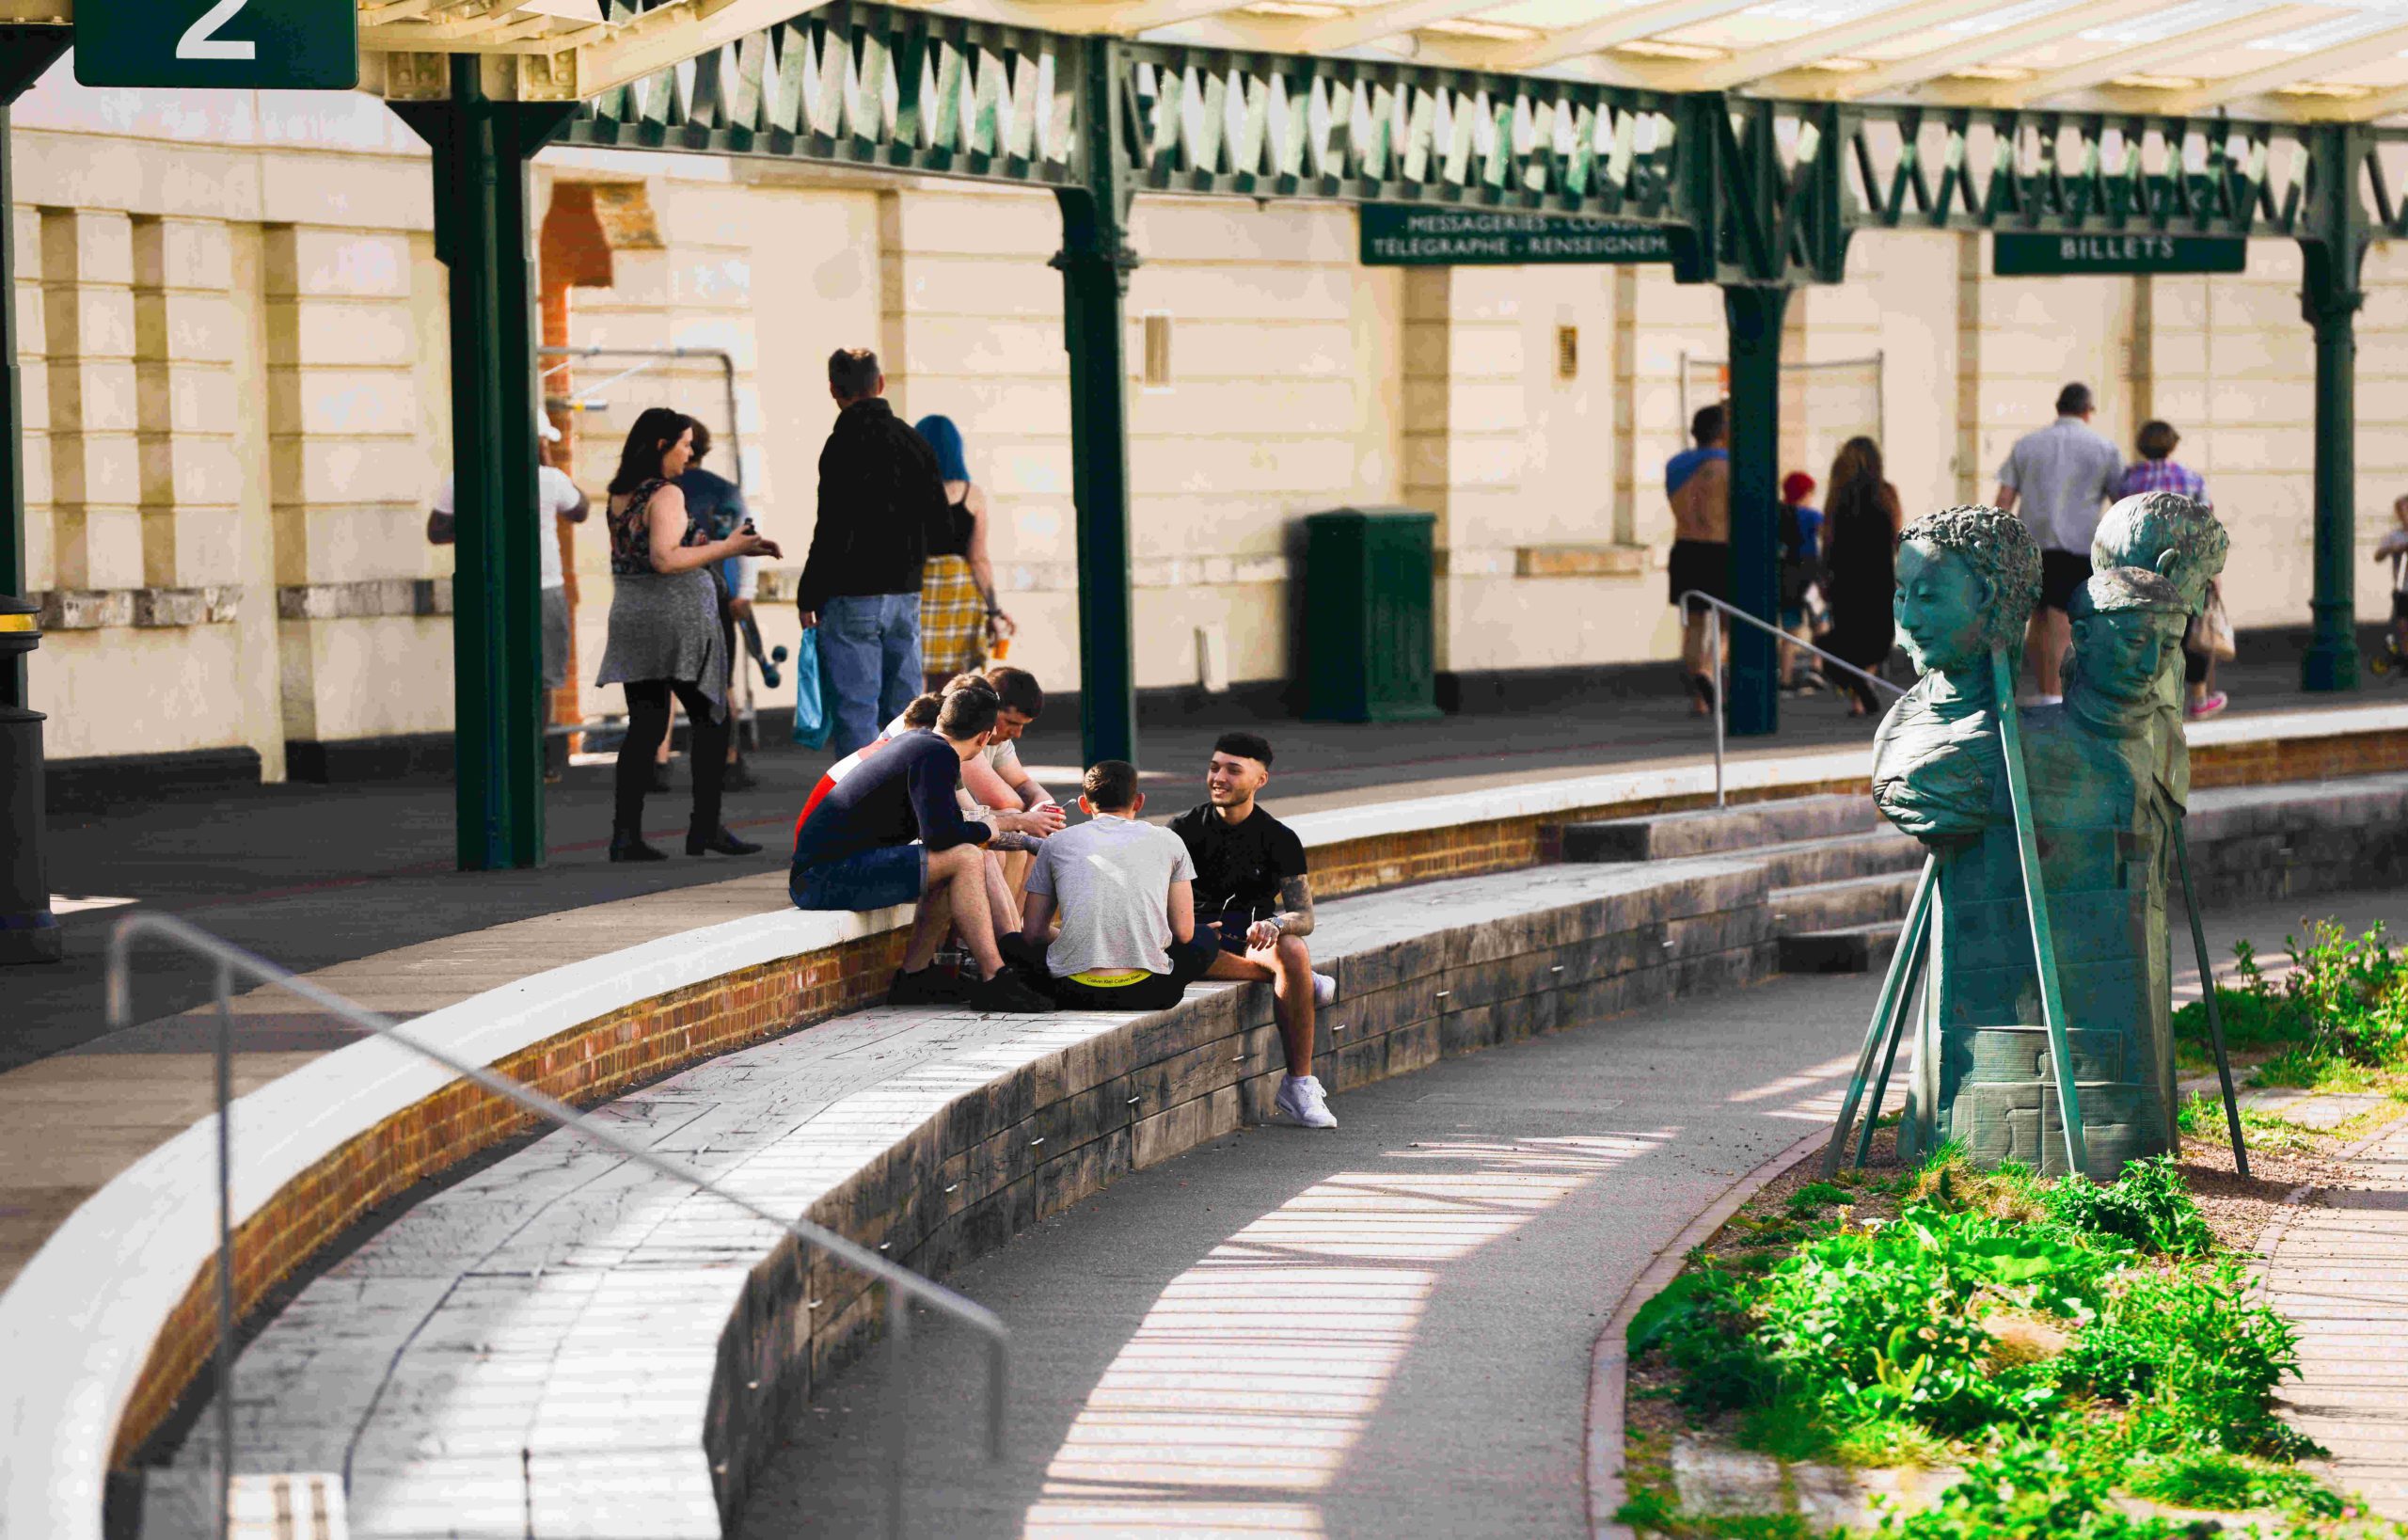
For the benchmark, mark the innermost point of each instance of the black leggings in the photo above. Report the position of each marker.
(647, 724)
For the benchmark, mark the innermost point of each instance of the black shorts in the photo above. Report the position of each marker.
(1702, 564)
(2399, 606)
(2062, 574)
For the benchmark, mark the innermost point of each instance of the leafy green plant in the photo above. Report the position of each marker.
(1702, 1322)
(1814, 1197)
(2232, 1481)
(2149, 1207)
(2194, 1357)
(2057, 1486)
(2344, 998)
(1888, 1322)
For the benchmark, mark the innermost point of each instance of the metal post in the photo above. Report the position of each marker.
(1916, 975)
(1095, 262)
(898, 1422)
(225, 1251)
(2330, 296)
(29, 932)
(1722, 689)
(1753, 314)
(2208, 993)
(2331, 299)
(1885, 1011)
(26, 52)
(2036, 897)
(482, 147)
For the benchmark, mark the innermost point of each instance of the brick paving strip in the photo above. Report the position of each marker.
(2336, 1265)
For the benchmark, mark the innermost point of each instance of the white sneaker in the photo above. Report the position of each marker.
(1324, 989)
(1303, 1102)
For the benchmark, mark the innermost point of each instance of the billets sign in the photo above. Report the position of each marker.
(1396, 236)
(2030, 254)
(238, 44)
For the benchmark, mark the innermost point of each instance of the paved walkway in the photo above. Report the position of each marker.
(1385, 1331)
(2340, 1270)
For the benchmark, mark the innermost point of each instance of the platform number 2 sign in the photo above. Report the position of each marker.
(236, 44)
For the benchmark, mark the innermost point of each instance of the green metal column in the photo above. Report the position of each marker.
(1752, 313)
(2329, 297)
(26, 52)
(1095, 262)
(482, 147)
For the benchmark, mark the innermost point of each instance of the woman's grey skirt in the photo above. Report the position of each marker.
(665, 626)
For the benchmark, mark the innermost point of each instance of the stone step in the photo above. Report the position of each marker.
(1664, 836)
(1860, 948)
(1881, 853)
(1843, 904)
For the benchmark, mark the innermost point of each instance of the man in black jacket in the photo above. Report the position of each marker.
(880, 495)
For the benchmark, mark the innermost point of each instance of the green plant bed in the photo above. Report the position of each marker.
(2337, 1020)
(2089, 1356)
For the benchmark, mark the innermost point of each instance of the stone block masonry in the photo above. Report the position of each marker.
(517, 1299)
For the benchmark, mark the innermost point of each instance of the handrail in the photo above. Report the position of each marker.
(1716, 609)
(901, 1282)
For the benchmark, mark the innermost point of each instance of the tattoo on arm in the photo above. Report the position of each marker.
(1296, 906)
(1011, 841)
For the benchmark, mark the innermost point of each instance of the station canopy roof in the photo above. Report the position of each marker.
(2328, 60)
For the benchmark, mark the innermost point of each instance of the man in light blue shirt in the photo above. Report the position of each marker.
(2060, 477)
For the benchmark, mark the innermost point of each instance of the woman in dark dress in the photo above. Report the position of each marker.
(665, 638)
(1861, 521)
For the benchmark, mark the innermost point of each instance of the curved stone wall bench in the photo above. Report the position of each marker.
(108, 1326)
(585, 1349)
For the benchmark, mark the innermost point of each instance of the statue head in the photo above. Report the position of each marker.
(1967, 579)
(2167, 533)
(2126, 622)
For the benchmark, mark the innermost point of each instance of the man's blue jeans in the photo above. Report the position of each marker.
(869, 664)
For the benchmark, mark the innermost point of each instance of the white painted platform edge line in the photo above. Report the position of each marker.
(1609, 1358)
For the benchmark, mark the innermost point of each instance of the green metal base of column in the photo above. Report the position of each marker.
(2329, 666)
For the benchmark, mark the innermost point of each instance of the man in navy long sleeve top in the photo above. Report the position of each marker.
(892, 833)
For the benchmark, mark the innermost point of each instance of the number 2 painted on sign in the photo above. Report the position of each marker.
(200, 40)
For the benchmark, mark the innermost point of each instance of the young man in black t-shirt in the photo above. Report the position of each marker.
(1250, 884)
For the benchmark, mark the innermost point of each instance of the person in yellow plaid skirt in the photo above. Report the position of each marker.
(958, 616)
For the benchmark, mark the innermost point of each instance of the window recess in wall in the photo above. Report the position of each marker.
(1568, 354)
(1157, 376)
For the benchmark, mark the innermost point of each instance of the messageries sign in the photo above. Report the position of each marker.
(243, 44)
(1396, 235)
(2030, 254)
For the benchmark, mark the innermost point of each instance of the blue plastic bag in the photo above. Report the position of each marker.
(811, 724)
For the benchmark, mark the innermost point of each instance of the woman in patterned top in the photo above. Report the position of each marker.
(665, 636)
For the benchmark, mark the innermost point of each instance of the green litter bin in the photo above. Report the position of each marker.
(1370, 638)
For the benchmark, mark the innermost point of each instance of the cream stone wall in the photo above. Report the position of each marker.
(235, 367)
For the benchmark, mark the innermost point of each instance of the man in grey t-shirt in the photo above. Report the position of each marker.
(2060, 477)
(1125, 894)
